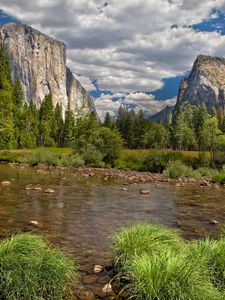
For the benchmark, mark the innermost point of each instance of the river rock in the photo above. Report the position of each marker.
(35, 223)
(49, 191)
(125, 189)
(5, 183)
(145, 192)
(214, 222)
(107, 288)
(97, 269)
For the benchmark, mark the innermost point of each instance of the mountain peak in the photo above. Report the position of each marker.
(40, 62)
(206, 83)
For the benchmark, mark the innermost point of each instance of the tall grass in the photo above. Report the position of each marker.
(32, 269)
(155, 263)
(143, 238)
(168, 277)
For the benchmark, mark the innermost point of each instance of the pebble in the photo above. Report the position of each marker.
(37, 188)
(97, 269)
(145, 192)
(214, 222)
(35, 223)
(5, 183)
(49, 191)
(125, 189)
(107, 288)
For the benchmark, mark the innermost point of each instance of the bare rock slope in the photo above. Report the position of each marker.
(40, 62)
(206, 83)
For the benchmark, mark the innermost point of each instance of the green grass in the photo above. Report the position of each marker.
(155, 263)
(176, 169)
(143, 238)
(219, 178)
(32, 269)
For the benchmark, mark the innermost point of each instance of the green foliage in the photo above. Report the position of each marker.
(156, 263)
(176, 169)
(6, 113)
(95, 144)
(68, 131)
(219, 178)
(32, 269)
(155, 137)
(47, 123)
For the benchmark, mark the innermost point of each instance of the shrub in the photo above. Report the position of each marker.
(143, 238)
(31, 269)
(168, 277)
(74, 160)
(205, 172)
(176, 169)
(219, 178)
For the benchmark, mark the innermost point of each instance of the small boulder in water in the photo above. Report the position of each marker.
(35, 223)
(145, 192)
(49, 191)
(214, 222)
(5, 183)
(97, 269)
(107, 288)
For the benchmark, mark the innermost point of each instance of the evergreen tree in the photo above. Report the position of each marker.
(5, 64)
(199, 118)
(18, 102)
(68, 131)
(6, 112)
(47, 122)
(29, 126)
(108, 121)
(58, 125)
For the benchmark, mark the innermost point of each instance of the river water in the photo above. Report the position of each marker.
(83, 212)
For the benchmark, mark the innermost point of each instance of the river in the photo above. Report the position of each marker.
(83, 212)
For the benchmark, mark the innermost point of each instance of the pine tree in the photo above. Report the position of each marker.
(108, 121)
(18, 102)
(5, 64)
(47, 122)
(68, 132)
(58, 125)
(6, 112)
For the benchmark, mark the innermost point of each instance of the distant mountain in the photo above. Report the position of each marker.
(40, 62)
(161, 115)
(206, 83)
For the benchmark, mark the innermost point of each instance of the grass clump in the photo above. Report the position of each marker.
(168, 277)
(32, 269)
(155, 263)
(176, 169)
(143, 238)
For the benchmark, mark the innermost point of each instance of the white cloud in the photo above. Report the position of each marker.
(127, 45)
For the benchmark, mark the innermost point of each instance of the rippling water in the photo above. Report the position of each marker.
(83, 212)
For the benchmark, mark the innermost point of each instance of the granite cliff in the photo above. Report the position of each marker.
(40, 62)
(206, 83)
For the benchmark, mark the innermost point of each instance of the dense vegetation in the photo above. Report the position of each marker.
(156, 263)
(23, 125)
(193, 128)
(31, 269)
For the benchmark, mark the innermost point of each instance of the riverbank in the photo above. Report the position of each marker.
(133, 166)
(128, 177)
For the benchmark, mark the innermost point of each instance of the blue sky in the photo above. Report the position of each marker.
(135, 51)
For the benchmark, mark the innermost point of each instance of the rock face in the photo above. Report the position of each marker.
(206, 83)
(40, 62)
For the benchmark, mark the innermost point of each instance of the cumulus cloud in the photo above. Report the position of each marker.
(128, 45)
